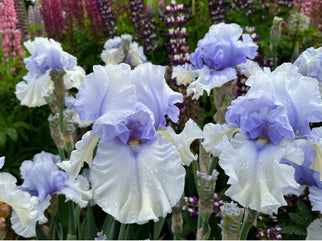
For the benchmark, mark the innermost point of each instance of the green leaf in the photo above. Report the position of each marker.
(158, 228)
(110, 227)
(296, 218)
(12, 133)
(3, 138)
(90, 227)
(293, 230)
(305, 211)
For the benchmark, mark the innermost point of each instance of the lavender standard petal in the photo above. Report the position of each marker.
(260, 118)
(221, 47)
(41, 176)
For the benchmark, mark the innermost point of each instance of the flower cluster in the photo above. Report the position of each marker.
(11, 45)
(107, 15)
(217, 11)
(274, 121)
(177, 48)
(53, 18)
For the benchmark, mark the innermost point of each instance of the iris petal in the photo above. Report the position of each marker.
(137, 183)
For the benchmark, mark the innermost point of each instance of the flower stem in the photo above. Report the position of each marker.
(249, 219)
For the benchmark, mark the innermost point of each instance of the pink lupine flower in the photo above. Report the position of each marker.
(11, 44)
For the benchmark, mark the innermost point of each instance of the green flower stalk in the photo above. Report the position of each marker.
(206, 187)
(232, 218)
(56, 134)
(275, 36)
(177, 221)
(222, 97)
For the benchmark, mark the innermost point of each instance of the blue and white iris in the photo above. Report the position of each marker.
(46, 55)
(215, 59)
(274, 119)
(122, 50)
(22, 203)
(42, 179)
(136, 174)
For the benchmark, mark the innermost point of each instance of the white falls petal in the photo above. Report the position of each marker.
(32, 91)
(78, 190)
(213, 134)
(139, 183)
(209, 79)
(183, 140)
(314, 230)
(112, 56)
(184, 74)
(74, 77)
(30, 230)
(315, 197)
(21, 202)
(83, 153)
(255, 173)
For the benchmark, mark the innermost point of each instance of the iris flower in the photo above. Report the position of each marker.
(46, 55)
(136, 174)
(216, 57)
(122, 50)
(22, 202)
(274, 119)
(42, 179)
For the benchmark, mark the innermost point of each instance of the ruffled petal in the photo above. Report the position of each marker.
(153, 91)
(298, 94)
(137, 183)
(183, 140)
(214, 133)
(32, 93)
(83, 153)
(21, 202)
(316, 143)
(78, 190)
(309, 63)
(47, 54)
(30, 230)
(249, 68)
(184, 74)
(41, 176)
(314, 230)
(112, 56)
(74, 77)
(221, 48)
(106, 93)
(255, 173)
(209, 79)
(315, 197)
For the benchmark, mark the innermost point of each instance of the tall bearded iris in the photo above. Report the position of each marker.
(46, 55)
(216, 56)
(274, 120)
(22, 202)
(136, 174)
(42, 179)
